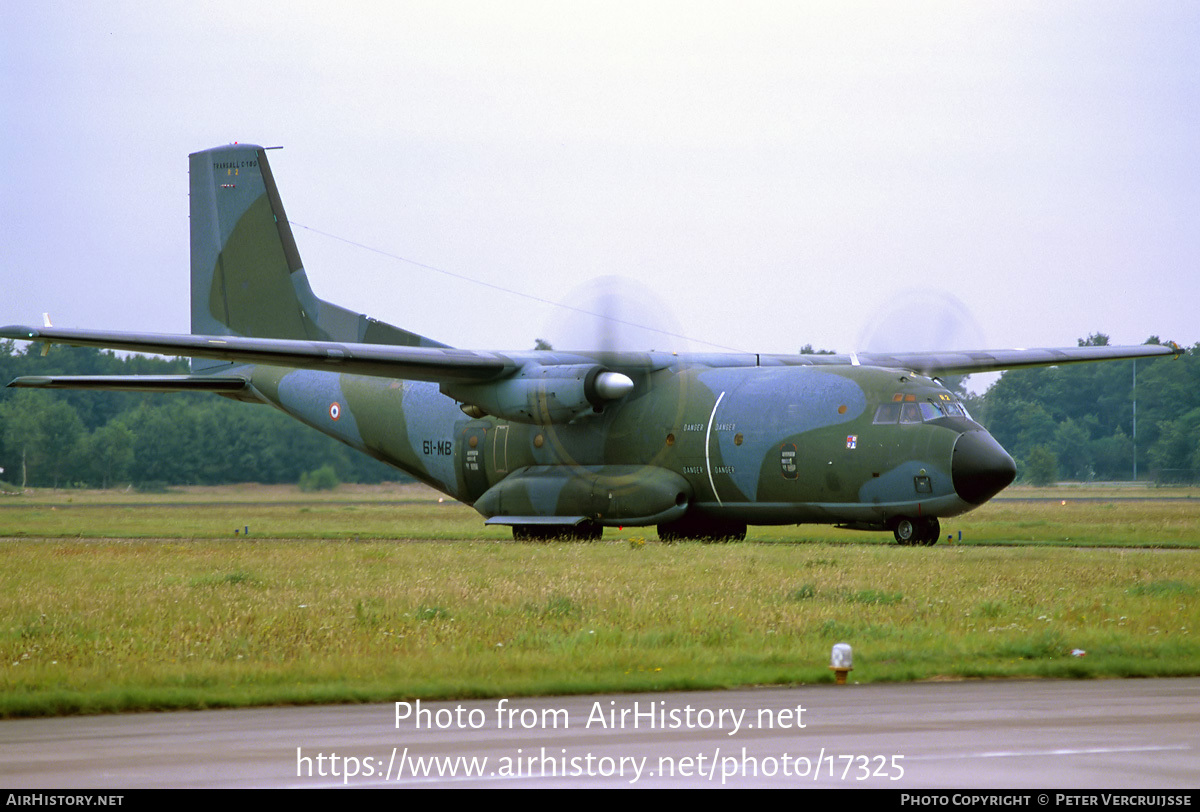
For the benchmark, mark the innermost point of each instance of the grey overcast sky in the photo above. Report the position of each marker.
(852, 175)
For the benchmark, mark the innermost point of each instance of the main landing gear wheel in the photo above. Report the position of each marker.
(702, 528)
(917, 531)
(584, 531)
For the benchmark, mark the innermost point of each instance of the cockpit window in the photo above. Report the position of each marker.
(931, 410)
(911, 413)
(956, 409)
(887, 413)
(907, 410)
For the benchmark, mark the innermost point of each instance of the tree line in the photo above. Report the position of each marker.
(1072, 422)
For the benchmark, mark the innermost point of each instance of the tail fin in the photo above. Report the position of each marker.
(247, 278)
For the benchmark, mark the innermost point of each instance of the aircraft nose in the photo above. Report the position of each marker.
(980, 467)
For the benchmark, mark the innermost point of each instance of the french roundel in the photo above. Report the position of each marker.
(335, 410)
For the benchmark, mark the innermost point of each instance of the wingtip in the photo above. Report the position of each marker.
(18, 331)
(29, 382)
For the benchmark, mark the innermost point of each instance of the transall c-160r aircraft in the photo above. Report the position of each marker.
(563, 444)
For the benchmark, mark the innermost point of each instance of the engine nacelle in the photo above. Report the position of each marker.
(543, 394)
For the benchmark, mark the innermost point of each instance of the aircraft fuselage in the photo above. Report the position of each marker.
(858, 446)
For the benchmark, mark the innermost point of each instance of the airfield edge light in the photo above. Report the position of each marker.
(841, 661)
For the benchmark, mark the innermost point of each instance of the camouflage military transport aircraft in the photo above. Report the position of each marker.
(562, 444)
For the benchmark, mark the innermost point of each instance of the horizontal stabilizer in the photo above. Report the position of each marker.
(134, 383)
(381, 360)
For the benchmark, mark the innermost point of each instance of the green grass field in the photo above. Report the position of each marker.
(127, 601)
(1155, 517)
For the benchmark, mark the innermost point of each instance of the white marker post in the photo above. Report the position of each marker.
(841, 662)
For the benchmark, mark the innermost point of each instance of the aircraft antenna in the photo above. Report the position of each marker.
(607, 317)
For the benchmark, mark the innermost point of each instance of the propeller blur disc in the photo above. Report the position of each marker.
(614, 314)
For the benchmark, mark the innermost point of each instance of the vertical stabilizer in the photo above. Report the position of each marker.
(247, 277)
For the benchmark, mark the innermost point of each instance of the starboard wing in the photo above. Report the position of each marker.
(964, 363)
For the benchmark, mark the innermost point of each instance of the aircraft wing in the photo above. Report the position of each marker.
(964, 363)
(380, 360)
(449, 366)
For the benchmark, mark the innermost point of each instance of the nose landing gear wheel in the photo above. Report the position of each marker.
(917, 531)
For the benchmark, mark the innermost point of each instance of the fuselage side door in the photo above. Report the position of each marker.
(472, 446)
